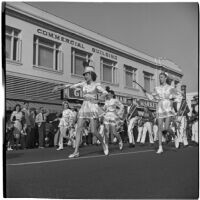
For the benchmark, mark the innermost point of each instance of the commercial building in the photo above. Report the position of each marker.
(43, 50)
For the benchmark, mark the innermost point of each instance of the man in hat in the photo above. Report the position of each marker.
(182, 116)
(131, 119)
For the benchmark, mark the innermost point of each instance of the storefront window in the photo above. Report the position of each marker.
(149, 82)
(108, 71)
(13, 44)
(78, 57)
(130, 76)
(47, 54)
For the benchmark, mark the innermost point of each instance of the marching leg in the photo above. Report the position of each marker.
(130, 133)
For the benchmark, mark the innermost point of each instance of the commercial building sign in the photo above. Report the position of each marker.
(77, 94)
(74, 93)
(104, 53)
(60, 38)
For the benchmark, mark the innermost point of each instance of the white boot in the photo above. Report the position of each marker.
(176, 142)
(160, 150)
(105, 148)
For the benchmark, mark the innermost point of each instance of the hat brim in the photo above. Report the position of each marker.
(88, 72)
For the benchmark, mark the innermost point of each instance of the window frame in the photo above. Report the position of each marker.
(151, 78)
(15, 34)
(114, 71)
(134, 76)
(57, 58)
(75, 53)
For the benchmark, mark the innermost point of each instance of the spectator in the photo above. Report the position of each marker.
(41, 121)
(32, 125)
(16, 117)
(9, 135)
(53, 126)
(27, 124)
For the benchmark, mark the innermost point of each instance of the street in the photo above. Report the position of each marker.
(133, 173)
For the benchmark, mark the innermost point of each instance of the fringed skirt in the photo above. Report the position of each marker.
(111, 118)
(165, 109)
(90, 110)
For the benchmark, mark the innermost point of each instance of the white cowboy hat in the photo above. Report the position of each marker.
(88, 67)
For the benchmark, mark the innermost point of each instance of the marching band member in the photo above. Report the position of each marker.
(65, 124)
(140, 128)
(89, 109)
(131, 119)
(195, 124)
(112, 117)
(164, 95)
(147, 119)
(181, 121)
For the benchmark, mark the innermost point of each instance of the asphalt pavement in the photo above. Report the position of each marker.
(129, 174)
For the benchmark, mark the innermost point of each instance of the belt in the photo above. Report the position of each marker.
(91, 100)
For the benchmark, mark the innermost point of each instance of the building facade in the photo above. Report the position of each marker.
(43, 50)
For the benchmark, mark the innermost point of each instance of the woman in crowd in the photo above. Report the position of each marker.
(113, 115)
(89, 109)
(16, 117)
(164, 94)
(9, 135)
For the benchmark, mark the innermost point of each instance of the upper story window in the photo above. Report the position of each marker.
(47, 54)
(109, 71)
(78, 57)
(130, 76)
(13, 44)
(149, 82)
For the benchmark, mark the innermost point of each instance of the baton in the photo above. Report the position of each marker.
(140, 86)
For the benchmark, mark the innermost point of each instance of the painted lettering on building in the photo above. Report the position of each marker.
(103, 53)
(146, 103)
(60, 38)
(78, 94)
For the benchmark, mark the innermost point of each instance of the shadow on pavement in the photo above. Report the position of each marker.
(15, 155)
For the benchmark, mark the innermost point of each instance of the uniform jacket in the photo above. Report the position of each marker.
(132, 111)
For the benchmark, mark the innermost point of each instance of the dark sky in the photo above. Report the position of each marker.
(159, 29)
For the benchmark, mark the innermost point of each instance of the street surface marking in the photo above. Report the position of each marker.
(84, 157)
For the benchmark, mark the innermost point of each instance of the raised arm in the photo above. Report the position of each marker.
(60, 87)
(101, 90)
(153, 95)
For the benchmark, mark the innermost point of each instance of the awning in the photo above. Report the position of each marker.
(10, 104)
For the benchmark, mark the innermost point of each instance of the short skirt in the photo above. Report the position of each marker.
(65, 123)
(165, 109)
(90, 110)
(111, 118)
